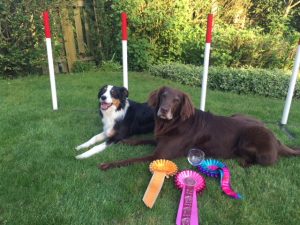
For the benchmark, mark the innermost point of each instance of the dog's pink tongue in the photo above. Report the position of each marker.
(104, 105)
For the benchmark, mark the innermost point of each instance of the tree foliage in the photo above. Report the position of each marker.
(22, 47)
(247, 33)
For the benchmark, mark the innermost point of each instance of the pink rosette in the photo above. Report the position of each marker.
(191, 183)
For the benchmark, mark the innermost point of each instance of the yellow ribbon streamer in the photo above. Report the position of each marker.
(160, 168)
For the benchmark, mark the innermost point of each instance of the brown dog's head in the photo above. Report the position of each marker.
(171, 103)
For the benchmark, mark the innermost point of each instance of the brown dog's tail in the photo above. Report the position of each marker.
(286, 151)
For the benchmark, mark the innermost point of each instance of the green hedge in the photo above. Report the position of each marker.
(174, 31)
(269, 83)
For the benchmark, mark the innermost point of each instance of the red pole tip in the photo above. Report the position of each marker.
(209, 28)
(47, 24)
(124, 26)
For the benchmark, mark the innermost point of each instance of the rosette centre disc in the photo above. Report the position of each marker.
(189, 181)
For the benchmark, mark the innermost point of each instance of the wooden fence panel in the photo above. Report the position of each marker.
(75, 30)
(79, 27)
(69, 41)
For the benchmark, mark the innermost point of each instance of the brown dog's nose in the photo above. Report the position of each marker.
(163, 110)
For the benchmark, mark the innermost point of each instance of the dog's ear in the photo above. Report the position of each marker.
(187, 108)
(153, 99)
(125, 92)
(102, 90)
(123, 96)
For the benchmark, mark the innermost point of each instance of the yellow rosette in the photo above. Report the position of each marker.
(160, 168)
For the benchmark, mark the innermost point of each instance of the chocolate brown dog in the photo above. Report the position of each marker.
(180, 127)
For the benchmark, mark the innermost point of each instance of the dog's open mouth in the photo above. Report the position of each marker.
(165, 117)
(105, 106)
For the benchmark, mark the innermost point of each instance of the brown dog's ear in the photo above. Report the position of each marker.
(187, 108)
(154, 97)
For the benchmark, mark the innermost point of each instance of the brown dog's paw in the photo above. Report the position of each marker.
(105, 166)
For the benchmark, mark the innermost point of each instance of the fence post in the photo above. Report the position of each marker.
(69, 41)
(78, 26)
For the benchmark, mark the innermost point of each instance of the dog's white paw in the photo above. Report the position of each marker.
(79, 147)
(81, 156)
(92, 151)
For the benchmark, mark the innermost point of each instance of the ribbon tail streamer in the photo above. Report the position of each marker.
(194, 216)
(225, 184)
(188, 208)
(180, 208)
(153, 188)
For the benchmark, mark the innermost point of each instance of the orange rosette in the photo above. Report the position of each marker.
(160, 168)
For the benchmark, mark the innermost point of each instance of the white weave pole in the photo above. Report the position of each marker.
(206, 60)
(124, 49)
(292, 85)
(50, 59)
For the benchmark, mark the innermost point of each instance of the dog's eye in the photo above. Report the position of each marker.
(176, 100)
(102, 90)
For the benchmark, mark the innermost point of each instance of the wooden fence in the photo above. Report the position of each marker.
(76, 40)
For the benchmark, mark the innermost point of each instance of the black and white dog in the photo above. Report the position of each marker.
(121, 119)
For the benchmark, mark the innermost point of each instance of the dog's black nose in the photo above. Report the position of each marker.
(103, 97)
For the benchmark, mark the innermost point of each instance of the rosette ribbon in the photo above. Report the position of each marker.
(160, 168)
(215, 168)
(191, 183)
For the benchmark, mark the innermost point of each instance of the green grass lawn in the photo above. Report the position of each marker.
(42, 183)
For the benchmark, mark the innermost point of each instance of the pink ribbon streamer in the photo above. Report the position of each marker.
(191, 183)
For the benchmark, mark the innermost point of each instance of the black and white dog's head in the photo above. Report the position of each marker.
(112, 98)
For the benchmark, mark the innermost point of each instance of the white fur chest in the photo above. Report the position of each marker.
(110, 116)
